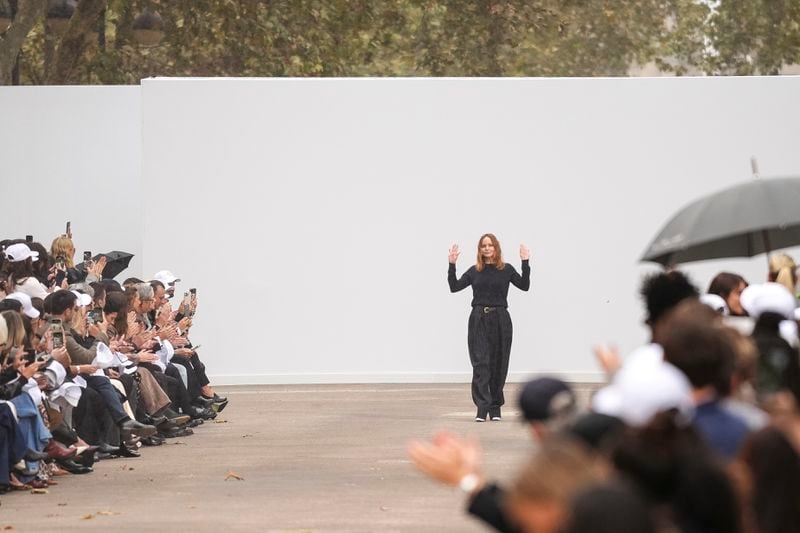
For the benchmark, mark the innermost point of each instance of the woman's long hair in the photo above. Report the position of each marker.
(19, 271)
(41, 268)
(498, 253)
(117, 302)
(16, 329)
(63, 247)
(782, 270)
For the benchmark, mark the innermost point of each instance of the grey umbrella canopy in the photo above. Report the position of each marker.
(742, 221)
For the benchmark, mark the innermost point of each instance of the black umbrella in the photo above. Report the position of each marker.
(116, 263)
(742, 221)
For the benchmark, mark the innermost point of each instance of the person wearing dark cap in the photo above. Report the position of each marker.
(490, 330)
(547, 405)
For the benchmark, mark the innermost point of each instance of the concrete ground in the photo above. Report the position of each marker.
(312, 458)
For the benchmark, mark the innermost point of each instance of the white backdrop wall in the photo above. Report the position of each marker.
(73, 153)
(320, 211)
(316, 214)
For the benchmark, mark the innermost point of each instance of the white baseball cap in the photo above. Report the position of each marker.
(715, 302)
(768, 298)
(27, 306)
(640, 391)
(83, 298)
(20, 252)
(166, 277)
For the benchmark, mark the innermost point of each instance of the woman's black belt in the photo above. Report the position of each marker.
(488, 308)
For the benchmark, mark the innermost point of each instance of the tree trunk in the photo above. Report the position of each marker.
(73, 44)
(29, 13)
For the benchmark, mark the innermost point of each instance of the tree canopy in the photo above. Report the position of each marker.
(398, 38)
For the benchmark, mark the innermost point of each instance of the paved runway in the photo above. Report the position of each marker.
(312, 458)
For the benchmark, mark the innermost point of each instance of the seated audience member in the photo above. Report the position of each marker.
(198, 384)
(46, 417)
(65, 307)
(19, 271)
(168, 279)
(62, 251)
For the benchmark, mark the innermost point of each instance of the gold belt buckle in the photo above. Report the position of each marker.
(486, 310)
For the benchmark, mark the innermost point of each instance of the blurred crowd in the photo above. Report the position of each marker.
(697, 431)
(91, 369)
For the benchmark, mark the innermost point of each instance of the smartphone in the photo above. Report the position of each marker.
(60, 275)
(187, 304)
(87, 260)
(193, 291)
(95, 316)
(30, 356)
(58, 332)
(69, 229)
(29, 238)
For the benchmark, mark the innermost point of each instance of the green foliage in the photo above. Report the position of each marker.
(430, 38)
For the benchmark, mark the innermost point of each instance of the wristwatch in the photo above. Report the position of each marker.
(469, 483)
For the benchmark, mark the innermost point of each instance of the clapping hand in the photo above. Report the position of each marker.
(98, 267)
(448, 458)
(27, 370)
(179, 342)
(164, 315)
(147, 357)
(185, 323)
(524, 252)
(452, 255)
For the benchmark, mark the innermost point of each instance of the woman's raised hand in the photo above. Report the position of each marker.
(452, 256)
(524, 252)
(99, 266)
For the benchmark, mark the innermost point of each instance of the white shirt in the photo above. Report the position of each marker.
(33, 288)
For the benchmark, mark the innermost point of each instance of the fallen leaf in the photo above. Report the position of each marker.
(245, 436)
(220, 421)
(233, 475)
(39, 491)
(131, 468)
(62, 504)
(7, 528)
(88, 516)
